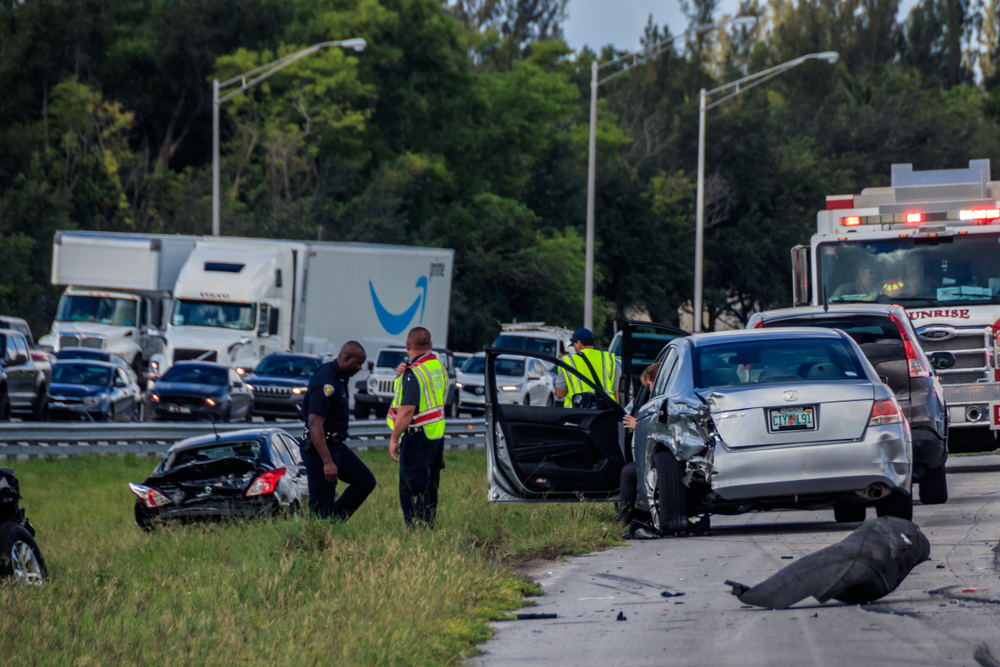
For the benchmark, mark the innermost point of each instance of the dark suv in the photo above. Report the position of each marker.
(23, 385)
(887, 338)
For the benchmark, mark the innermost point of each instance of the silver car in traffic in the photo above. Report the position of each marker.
(736, 421)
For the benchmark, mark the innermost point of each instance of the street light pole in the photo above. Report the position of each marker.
(588, 292)
(703, 106)
(637, 56)
(261, 73)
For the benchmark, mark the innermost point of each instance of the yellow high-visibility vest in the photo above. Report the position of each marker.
(604, 365)
(433, 380)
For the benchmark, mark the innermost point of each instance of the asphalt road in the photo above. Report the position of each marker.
(709, 626)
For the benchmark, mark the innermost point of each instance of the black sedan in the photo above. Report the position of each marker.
(200, 390)
(250, 473)
(93, 391)
(279, 383)
(89, 354)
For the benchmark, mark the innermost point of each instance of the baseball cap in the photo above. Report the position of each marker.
(581, 334)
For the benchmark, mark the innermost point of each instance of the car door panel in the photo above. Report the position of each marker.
(551, 453)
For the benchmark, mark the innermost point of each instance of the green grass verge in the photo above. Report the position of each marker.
(280, 591)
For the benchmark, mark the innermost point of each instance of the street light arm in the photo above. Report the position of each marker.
(743, 89)
(764, 75)
(659, 47)
(277, 65)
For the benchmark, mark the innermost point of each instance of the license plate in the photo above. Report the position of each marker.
(793, 419)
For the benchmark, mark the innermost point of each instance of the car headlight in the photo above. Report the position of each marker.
(458, 384)
(299, 390)
(248, 386)
(511, 387)
(156, 399)
(210, 402)
(93, 400)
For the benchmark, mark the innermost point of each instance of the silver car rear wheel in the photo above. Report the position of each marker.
(26, 568)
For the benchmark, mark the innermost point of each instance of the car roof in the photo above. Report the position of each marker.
(304, 355)
(832, 310)
(89, 362)
(771, 333)
(201, 364)
(88, 350)
(223, 438)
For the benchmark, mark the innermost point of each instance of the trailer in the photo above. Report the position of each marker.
(931, 243)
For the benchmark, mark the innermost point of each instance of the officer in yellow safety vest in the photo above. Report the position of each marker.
(600, 367)
(416, 418)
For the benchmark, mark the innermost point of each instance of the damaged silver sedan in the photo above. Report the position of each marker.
(734, 422)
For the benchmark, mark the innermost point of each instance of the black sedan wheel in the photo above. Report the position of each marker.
(20, 557)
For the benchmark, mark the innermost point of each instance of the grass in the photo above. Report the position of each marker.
(295, 592)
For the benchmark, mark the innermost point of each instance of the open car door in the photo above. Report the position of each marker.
(540, 453)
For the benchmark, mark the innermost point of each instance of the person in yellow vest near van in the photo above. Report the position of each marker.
(590, 363)
(416, 418)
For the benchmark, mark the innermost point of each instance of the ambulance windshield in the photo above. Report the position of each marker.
(913, 272)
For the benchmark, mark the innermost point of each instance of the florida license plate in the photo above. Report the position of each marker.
(793, 419)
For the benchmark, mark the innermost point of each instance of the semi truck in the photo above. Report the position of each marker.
(929, 242)
(236, 300)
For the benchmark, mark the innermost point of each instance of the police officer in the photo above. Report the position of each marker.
(327, 459)
(600, 367)
(416, 418)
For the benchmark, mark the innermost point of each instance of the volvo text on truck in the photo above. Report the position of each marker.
(929, 242)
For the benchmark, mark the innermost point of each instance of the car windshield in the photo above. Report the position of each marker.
(102, 309)
(221, 314)
(283, 366)
(196, 375)
(243, 450)
(960, 269)
(89, 374)
(93, 355)
(505, 367)
(742, 363)
(391, 358)
(530, 343)
(879, 338)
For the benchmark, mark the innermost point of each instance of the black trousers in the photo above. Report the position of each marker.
(627, 493)
(420, 464)
(323, 499)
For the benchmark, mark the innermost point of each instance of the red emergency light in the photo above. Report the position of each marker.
(850, 221)
(914, 217)
(980, 214)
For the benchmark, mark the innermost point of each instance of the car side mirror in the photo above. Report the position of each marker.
(942, 360)
(20, 359)
(120, 382)
(371, 366)
(534, 377)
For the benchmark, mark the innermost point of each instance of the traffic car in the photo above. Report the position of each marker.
(887, 338)
(97, 355)
(200, 390)
(522, 380)
(736, 421)
(279, 382)
(23, 385)
(20, 556)
(252, 473)
(93, 391)
(374, 393)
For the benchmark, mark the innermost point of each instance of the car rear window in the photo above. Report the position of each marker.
(879, 338)
(743, 363)
(244, 450)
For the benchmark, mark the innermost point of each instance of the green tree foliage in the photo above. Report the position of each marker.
(465, 125)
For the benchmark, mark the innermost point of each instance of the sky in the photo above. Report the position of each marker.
(595, 23)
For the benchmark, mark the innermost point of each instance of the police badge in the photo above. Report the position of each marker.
(328, 389)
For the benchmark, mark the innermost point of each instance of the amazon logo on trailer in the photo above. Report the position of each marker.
(397, 323)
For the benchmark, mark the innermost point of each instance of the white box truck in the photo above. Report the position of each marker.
(118, 286)
(238, 300)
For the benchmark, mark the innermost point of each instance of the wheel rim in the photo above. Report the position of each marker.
(653, 493)
(26, 568)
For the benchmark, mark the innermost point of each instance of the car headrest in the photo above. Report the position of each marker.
(722, 377)
(825, 369)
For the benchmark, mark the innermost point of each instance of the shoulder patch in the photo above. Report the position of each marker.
(328, 389)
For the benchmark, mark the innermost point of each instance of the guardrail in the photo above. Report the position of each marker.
(34, 440)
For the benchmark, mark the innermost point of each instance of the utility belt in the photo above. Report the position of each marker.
(332, 439)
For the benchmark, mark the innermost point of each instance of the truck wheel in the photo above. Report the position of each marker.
(844, 513)
(4, 407)
(361, 411)
(669, 503)
(934, 487)
(897, 504)
(381, 412)
(40, 408)
(20, 557)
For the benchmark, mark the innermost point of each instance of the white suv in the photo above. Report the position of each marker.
(536, 337)
(520, 381)
(376, 392)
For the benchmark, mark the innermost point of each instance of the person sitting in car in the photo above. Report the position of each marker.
(865, 288)
(629, 479)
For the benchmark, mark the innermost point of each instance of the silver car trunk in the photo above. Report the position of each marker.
(741, 414)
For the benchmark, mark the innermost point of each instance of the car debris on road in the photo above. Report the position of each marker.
(865, 566)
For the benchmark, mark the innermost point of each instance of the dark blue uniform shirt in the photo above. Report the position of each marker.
(411, 390)
(327, 397)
